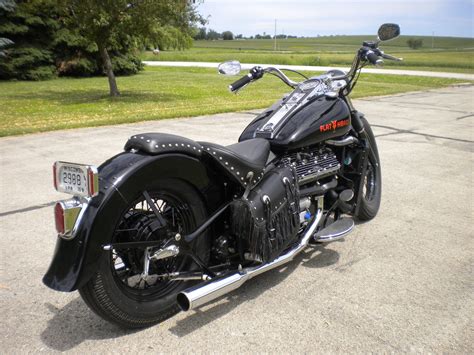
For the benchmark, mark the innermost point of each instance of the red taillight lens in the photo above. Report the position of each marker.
(59, 218)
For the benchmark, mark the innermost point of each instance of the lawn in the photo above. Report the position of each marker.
(339, 43)
(448, 53)
(156, 93)
(460, 61)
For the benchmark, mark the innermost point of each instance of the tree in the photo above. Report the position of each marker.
(201, 34)
(227, 36)
(30, 26)
(111, 24)
(213, 35)
(6, 6)
(414, 43)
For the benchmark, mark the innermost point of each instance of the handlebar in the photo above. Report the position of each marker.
(391, 57)
(256, 73)
(373, 58)
(370, 54)
(239, 84)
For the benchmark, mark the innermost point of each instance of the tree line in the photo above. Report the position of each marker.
(40, 39)
(210, 35)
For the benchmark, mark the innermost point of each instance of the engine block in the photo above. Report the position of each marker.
(313, 164)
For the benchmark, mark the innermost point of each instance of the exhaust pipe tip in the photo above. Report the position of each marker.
(183, 302)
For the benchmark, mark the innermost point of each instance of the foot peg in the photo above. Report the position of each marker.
(337, 230)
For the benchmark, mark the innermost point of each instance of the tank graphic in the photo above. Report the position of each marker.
(317, 120)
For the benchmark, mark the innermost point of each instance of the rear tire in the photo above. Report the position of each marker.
(372, 188)
(110, 294)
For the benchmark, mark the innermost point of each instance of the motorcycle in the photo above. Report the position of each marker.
(171, 224)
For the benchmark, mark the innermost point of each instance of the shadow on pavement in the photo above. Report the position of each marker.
(252, 289)
(319, 257)
(75, 323)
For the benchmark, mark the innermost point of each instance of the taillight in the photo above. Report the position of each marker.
(66, 217)
(59, 218)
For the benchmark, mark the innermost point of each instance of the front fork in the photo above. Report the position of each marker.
(359, 127)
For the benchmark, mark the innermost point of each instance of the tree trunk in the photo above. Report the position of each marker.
(108, 70)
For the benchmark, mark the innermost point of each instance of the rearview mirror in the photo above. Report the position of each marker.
(231, 67)
(388, 31)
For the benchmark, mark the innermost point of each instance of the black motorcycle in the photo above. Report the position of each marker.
(171, 223)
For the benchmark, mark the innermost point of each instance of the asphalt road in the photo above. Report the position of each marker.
(401, 283)
(246, 66)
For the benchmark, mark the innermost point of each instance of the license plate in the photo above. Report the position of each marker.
(76, 179)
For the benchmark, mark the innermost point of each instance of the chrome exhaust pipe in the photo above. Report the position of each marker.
(198, 295)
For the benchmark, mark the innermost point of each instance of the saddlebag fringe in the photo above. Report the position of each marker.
(267, 221)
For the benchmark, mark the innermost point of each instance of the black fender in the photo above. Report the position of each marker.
(75, 261)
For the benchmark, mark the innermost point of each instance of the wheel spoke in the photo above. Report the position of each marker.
(154, 208)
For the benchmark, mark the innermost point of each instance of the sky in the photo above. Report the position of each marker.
(329, 17)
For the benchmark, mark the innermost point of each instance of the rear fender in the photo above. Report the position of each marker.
(75, 261)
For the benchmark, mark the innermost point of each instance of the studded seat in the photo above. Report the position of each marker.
(244, 161)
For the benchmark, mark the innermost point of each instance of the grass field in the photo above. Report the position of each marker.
(156, 93)
(448, 54)
(341, 43)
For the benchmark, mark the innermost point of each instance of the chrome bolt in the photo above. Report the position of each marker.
(177, 237)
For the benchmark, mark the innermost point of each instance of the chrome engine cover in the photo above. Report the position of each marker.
(313, 164)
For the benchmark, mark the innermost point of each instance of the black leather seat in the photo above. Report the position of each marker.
(245, 160)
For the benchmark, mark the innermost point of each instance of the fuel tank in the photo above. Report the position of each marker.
(300, 120)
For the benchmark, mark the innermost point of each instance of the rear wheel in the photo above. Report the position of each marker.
(120, 291)
(372, 181)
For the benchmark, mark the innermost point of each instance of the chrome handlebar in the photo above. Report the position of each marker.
(277, 72)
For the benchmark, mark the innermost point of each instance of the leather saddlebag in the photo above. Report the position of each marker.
(267, 221)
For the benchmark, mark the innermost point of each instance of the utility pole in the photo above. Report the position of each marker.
(275, 37)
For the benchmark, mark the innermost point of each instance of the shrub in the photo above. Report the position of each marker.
(415, 43)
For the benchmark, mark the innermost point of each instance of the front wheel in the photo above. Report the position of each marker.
(372, 181)
(132, 290)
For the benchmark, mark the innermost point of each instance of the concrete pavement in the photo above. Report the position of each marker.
(400, 283)
(246, 66)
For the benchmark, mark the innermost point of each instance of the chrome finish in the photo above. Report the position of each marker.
(308, 89)
(146, 264)
(305, 203)
(282, 76)
(200, 294)
(337, 230)
(331, 94)
(231, 67)
(73, 211)
(167, 252)
(286, 108)
(177, 276)
(342, 142)
(177, 237)
(90, 172)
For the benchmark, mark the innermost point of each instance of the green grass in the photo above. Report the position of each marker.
(448, 54)
(445, 61)
(338, 43)
(157, 93)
